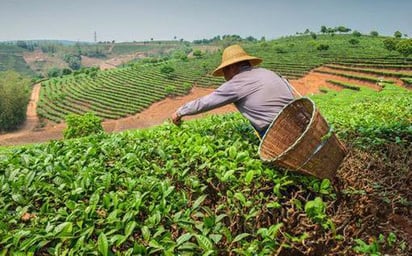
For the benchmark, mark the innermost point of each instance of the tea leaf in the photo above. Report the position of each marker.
(240, 237)
(204, 243)
(103, 245)
(199, 201)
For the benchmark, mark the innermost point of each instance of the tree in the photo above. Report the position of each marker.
(48, 48)
(74, 61)
(356, 33)
(390, 44)
(404, 47)
(397, 34)
(14, 97)
(331, 31)
(342, 29)
(323, 29)
(251, 39)
(53, 72)
(22, 44)
(313, 35)
(66, 71)
(374, 33)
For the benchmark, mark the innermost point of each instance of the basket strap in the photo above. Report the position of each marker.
(290, 86)
(319, 147)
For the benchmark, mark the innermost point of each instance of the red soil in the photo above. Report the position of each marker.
(156, 114)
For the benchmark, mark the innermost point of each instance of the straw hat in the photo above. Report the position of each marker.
(234, 54)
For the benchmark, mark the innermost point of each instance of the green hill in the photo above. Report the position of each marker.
(107, 93)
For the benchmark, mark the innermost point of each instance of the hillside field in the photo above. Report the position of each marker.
(201, 188)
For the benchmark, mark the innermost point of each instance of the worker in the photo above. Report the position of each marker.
(258, 93)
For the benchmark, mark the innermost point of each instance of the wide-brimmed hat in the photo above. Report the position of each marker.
(234, 54)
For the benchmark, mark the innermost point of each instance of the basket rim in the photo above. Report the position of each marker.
(300, 137)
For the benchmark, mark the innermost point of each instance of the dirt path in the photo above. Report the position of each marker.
(156, 114)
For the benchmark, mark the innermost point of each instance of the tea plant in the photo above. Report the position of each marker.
(168, 190)
(368, 118)
(82, 125)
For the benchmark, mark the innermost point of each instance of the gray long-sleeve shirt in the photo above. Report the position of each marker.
(258, 93)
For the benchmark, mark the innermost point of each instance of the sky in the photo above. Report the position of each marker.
(138, 20)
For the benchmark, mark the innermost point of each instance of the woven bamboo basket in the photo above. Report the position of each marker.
(301, 140)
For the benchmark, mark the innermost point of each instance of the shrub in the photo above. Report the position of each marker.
(404, 47)
(313, 35)
(356, 33)
(280, 50)
(66, 71)
(323, 47)
(197, 53)
(390, 44)
(374, 33)
(53, 72)
(354, 41)
(74, 61)
(167, 69)
(397, 34)
(82, 125)
(187, 86)
(170, 89)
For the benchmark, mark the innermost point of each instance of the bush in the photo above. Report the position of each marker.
(313, 35)
(280, 50)
(323, 47)
(74, 61)
(404, 47)
(197, 53)
(53, 72)
(356, 33)
(14, 97)
(390, 44)
(168, 71)
(170, 89)
(82, 125)
(66, 71)
(187, 86)
(397, 34)
(354, 41)
(374, 33)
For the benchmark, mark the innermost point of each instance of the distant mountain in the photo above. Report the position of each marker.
(63, 42)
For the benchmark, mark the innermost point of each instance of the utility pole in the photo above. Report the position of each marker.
(95, 37)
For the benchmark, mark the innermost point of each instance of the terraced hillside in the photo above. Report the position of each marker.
(120, 92)
(125, 91)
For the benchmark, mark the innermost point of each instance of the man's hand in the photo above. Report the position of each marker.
(176, 119)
